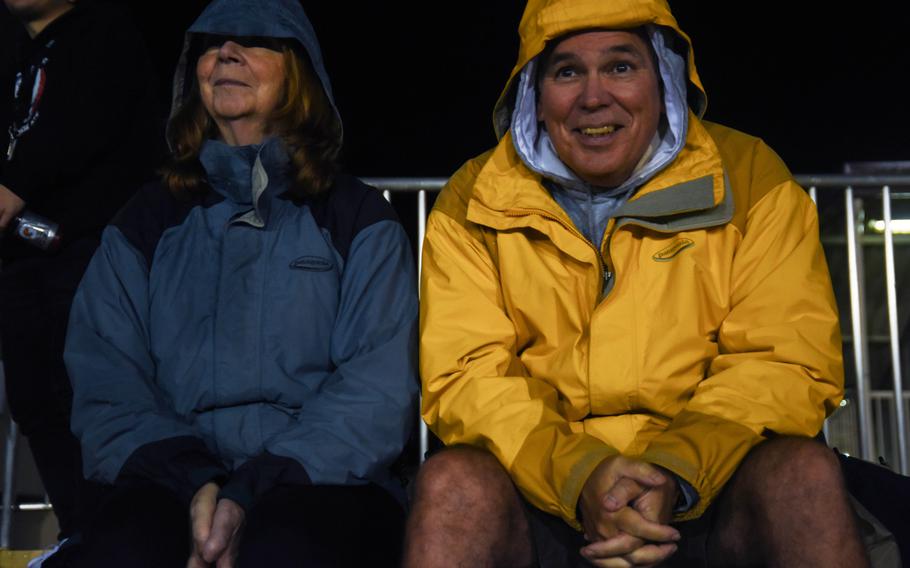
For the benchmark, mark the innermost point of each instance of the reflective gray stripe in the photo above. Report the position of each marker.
(693, 195)
(700, 214)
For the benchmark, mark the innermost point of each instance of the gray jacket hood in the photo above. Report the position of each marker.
(283, 19)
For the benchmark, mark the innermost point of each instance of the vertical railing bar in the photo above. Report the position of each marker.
(895, 437)
(826, 430)
(878, 418)
(421, 226)
(852, 425)
(6, 521)
(858, 324)
(891, 291)
(421, 232)
(906, 409)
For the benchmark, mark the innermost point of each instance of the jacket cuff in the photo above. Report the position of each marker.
(564, 472)
(704, 451)
(688, 496)
(254, 478)
(182, 464)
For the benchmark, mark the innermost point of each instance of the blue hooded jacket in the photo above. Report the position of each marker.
(242, 336)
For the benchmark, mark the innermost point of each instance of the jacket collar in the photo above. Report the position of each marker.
(250, 176)
(690, 192)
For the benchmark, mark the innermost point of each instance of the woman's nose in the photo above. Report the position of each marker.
(229, 51)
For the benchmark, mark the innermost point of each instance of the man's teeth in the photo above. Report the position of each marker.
(599, 131)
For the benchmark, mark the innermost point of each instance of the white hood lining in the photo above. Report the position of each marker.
(535, 147)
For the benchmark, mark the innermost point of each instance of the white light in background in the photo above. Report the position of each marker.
(898, 226)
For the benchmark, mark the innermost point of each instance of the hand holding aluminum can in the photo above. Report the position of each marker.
(37, 231)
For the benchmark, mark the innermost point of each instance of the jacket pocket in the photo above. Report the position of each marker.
(312, 263)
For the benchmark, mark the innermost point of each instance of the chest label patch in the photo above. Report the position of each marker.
(677, 246)
(312, 263)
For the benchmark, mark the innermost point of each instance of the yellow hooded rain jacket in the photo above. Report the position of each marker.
(719, 330)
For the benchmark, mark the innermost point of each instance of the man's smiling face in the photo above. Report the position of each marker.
(600, 101)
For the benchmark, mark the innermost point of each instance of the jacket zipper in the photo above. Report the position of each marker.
(608, 270)
(602, 265)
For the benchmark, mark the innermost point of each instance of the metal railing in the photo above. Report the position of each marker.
(869, 427)
(857, 191)
(872, 420)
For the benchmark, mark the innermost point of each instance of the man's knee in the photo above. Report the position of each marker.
(786, 505)
(792, 466)
(464, 475)
(803, 457)
(467, 512)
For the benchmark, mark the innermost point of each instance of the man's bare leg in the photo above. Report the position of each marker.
(466, 512)
(786, 506)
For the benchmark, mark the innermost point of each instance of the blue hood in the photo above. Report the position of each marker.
(267, 18)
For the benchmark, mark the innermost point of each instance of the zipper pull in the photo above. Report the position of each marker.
(11, 149)
(607, 276)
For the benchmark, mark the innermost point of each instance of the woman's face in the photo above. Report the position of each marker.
(240, 88)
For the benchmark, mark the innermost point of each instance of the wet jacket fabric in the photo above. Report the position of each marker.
(246, 337)
(703, 323)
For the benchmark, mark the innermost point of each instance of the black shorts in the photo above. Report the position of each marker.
(557, 544)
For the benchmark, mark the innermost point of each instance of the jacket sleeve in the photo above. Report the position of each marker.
(119, 414)
(779, 365)
(475, 389)
(358, 423)
(256, 476)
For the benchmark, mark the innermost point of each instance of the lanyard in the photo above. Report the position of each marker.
(26, 103)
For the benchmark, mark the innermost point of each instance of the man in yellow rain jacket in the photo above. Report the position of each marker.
(627, 324)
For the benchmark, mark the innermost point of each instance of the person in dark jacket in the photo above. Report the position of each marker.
(243, 344)
(79, 135)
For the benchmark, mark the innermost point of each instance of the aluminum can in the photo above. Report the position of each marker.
(37, 231)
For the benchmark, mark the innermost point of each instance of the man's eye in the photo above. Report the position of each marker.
(564, 72)
(622, 67)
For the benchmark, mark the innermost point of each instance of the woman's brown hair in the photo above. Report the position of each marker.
(305, 120)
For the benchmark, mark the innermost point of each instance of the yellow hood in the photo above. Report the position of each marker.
(545, 20)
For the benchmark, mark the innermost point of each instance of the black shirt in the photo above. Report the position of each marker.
(95, 132)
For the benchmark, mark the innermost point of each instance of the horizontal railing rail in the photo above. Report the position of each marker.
(833, 181)
(821, 181)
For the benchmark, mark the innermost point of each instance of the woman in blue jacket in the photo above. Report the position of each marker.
(242, 347)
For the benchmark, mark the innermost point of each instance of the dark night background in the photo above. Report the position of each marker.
(822, 83)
